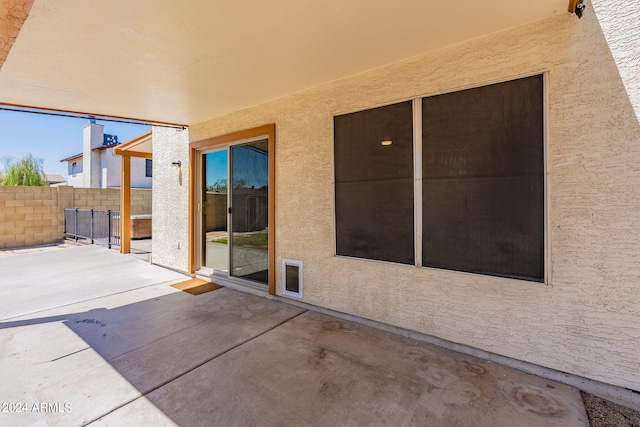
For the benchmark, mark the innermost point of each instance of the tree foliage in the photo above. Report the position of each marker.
(221, 185)
(28, 171)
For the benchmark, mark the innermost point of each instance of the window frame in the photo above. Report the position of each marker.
(395, 184)
(148, 168)
(418, 210)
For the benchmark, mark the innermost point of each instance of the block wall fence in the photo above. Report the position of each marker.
(32, 216)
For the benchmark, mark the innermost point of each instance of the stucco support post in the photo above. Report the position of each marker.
(125, 205)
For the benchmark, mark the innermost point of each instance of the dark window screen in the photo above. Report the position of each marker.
(374, 184)
(148, 166)
(483, 180)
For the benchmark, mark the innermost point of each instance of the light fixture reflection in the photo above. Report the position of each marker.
(386, 142)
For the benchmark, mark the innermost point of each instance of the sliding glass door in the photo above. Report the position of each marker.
(235, 211)
(249, 212)
(215, 235)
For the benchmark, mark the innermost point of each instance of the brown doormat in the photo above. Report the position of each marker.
(196, 286)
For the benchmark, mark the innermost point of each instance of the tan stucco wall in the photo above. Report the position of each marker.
(171, 198)
(35, 215)
(586, 321)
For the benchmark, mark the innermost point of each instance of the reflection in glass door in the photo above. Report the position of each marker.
(235, 211)
(250, 211)
(215, 236)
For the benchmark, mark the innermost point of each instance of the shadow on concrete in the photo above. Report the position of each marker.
(156, 356)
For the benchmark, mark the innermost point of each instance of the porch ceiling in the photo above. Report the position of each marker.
(185, 62)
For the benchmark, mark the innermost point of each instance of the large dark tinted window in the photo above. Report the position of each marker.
(374, 184)
(483, 180)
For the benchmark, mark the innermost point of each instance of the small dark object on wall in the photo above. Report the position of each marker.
(580, 7)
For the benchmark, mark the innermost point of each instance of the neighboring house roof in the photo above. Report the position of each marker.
(54, 178)
(74, 157)
(51, 178)
(110, 141)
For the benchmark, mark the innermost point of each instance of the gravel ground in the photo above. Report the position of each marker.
(603, 413)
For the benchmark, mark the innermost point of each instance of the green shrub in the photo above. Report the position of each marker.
(27, 171)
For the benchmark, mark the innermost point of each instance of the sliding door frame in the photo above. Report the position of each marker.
(195, 149)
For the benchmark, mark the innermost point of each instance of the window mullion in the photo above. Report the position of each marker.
(417, 175)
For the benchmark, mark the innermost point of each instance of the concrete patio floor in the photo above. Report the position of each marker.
(48, 277)
(153, 355)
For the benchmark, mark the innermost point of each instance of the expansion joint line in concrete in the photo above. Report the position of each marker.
(195, 367)
(70, 354)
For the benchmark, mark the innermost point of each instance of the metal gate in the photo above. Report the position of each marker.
(98, 227)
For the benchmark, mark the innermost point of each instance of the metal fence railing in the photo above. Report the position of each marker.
(98, 227)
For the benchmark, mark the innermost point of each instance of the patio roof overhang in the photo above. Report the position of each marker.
(186, 62)
(140, 146)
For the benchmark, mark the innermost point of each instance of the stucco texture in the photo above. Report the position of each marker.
(586, 319)
(13, 14)
(170, 227)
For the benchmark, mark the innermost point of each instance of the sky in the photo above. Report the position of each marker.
(51, 138)
(217, 166)
(248, 166)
